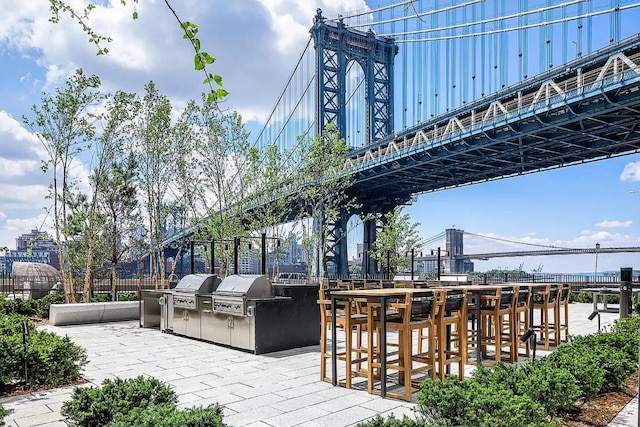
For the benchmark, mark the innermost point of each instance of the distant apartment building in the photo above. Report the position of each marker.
(35, 246)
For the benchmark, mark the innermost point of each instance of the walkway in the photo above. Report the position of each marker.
(278, 389)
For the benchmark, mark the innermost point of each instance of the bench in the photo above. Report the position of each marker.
(93, 312)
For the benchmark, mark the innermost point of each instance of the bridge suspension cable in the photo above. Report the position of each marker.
(417, 15)
(518, 28)
(379, 9)
(476, 23)
(284, 90)
(435, 238)
(517, 242)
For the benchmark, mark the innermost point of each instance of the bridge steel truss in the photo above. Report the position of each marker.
(336, 46)
(586, 110)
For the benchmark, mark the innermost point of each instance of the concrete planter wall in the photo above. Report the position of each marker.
(93, 312)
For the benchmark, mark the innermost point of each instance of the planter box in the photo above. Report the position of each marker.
(93, 312)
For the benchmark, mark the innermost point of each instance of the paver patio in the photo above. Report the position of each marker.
(275, 389)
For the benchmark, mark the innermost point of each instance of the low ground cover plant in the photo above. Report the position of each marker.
(51, 360)
(140, 401)
(29, 307)
(531, 394)
(3, 413)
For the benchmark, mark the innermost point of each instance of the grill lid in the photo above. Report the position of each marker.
(246, 285)
(198, 283)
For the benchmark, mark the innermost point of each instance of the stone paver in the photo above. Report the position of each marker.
(277, 389)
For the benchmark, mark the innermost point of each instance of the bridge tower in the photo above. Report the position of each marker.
(336, 46)
(454, 245)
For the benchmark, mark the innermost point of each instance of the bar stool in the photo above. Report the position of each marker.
(562, 314)
(522, 319)
(547, 300)
(348, 320)
(413, 313)
(496, 315)
(451, 331)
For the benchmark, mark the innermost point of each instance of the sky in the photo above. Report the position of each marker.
(256, 44)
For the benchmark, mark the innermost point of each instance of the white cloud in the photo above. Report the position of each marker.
(631, 172)
(12, 228)
(291, 19)
(614, 224)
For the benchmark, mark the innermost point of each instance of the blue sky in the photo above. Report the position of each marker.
(256, 43)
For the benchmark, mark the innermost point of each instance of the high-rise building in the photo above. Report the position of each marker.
(35, 246)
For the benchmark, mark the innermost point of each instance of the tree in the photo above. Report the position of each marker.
(121, 208)
(322, 184)
(113, 202)
(153, 146)
(65, 126)
(397, 237)
(222, 157)
(271, 210)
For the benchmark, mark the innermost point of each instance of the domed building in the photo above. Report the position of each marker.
(33, 279)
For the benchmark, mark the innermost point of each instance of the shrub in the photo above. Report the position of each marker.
(471, 403)
(553, 388)
(45, 302)
(629, 327)
(168, 416)
(54, 360)
(391, 421)
(7, 306)
(3, 413)
(29, 307)
(101, 298)
(12, 324)
(597, 368)
(51, 359)
(98, 406)
(127, 296)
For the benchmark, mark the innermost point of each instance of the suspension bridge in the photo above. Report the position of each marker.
(453, 255)
(431, 95)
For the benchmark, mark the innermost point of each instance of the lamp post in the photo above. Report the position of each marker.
(388, 264)
(263, 241)
(595, 276)
(438, 252)
(413, 255)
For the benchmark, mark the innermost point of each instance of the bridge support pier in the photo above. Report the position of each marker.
(337, 260)
(369, 264)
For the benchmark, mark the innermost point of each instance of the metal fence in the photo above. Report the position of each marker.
(577, 281)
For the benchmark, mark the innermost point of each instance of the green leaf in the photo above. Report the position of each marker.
(207, 58)
(196, 44)
(197, 62)
(208, 79)
(221, 93)
(218, 79)
(134, 15)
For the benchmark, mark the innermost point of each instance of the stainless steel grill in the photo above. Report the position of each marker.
(186, 291)
(234, 291)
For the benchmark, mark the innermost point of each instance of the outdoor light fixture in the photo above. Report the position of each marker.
(530, 333)
(593, 315)
(527, 335)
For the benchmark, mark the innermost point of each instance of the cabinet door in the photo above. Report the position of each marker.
(242, 334)
(193, 324)
(180, 321)
(215, 328)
